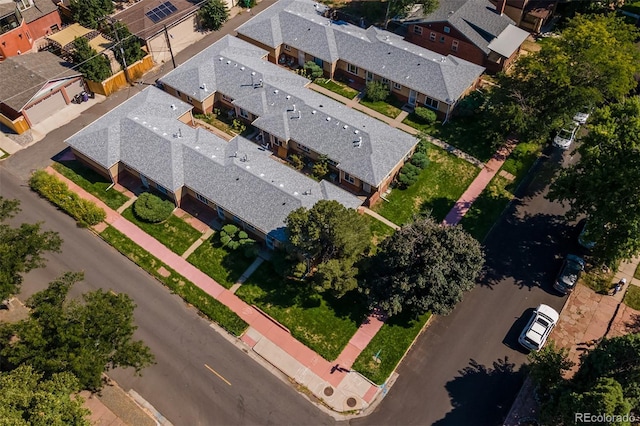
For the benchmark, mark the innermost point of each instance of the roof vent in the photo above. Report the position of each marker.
(328, 118)
(345, 127)
(358, 143)
(228, 62)
(221, 59)
(288, 96)
(275, 92)
(244, 158)
(178, 134)
(313, 112)
(173, 107)
(241, 68)
(307, 192)
(235, 154)
(356, 131)
(443, 59)
(203, 86)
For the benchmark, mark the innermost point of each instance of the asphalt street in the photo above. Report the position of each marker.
(465, 368)
(180, 386)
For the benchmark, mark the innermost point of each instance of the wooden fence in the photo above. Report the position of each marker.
(19, 125)
(118, 80)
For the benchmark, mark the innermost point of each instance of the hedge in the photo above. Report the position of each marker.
(57, 192)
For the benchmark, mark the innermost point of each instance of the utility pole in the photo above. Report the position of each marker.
(166, 35)
(124, 60)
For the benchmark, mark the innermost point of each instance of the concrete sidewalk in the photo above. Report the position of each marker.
(338, 388)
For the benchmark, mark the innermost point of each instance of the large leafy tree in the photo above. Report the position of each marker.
(424, 267)
(328, 230)
(605, 183)
(93, 66)
(607, 381)
(213, 14)
(595, 59)
(28, 399)
(83, 338)
(130, 47)
(21, 249)
(402, 7)
(89, 13)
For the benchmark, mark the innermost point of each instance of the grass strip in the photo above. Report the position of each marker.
(176, 234)
(336, 87)
(92, 182)
(390, 344)
(632, 297)
(192, 294)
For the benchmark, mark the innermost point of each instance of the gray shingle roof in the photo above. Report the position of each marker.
(39, 9)
(325, 126)
(24, 75)
(476, 19)
(144, 133)
(299, 23)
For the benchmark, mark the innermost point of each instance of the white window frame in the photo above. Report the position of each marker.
(331, 162)
(286, 47)
(227, 98)
(454, 45)
(349, 178)
(352, 69)
(417, 29)
(189, 99)
(303, 148)
(397, 86)
(432, 36)
(431, 103)
(242, 113)
(385, 81)
(24, 4)
(202, 199)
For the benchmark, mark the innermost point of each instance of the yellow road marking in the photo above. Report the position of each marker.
(217, 374)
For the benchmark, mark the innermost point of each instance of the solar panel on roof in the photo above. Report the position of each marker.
(157, 14)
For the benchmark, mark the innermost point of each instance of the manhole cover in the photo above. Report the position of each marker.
(328, 391)
(351, 402)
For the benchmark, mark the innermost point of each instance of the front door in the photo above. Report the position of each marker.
(144, 180)
(369, 76)
(412, 98)
(300, 58)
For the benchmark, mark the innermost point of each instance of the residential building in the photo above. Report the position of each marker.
(364, 154)
(530, 15)
(22, 22)
(296, 31)
(474, 30)
(34, 87)
(151, 136)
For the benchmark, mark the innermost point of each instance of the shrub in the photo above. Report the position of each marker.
(425, 114)
(408, 175)
(376, 91)
(297, 162)
(470, 105)
(238, 126)
(233, 237)
(312, 70)
(419, 160)
(299, 270)
(320, 169)
(57, 192)
(151, 208)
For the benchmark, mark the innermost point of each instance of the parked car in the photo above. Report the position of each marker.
(565, 137)
(569, 274)
(584, 239)
(535, 334)
(581, 117)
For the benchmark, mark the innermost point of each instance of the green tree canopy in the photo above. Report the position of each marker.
(328, 230)
(93, 66)
(337, 276)
(89, 13)
(424, 267)
(21, 249)
(595, 59)
(130, 45)
(26, 399)
(605, 183)
(213, 14)
(86, 339)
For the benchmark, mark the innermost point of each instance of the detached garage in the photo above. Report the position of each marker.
(34, 86)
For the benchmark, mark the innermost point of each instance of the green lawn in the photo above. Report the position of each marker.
(223, 265)
(415, 122)
(383, 107)
(92, 182)
(466, 135)
(392, 341)
(439, 186)
(379, 230)
(210, 307)
(632, 297)
(486, 210)
(337, 87)
(176, 234)
(320, 322)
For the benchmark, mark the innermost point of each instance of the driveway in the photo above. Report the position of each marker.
(465, 368)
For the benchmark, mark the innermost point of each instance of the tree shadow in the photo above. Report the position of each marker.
(437, 208)
(510, 340)
(633, 326)
(352, 305)
(471, 402)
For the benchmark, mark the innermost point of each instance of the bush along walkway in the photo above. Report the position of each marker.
(340, 388)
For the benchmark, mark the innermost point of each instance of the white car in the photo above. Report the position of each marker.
(581, 117)
(565, 137)
(535, 334)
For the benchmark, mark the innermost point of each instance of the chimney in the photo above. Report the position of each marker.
(500, 6)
